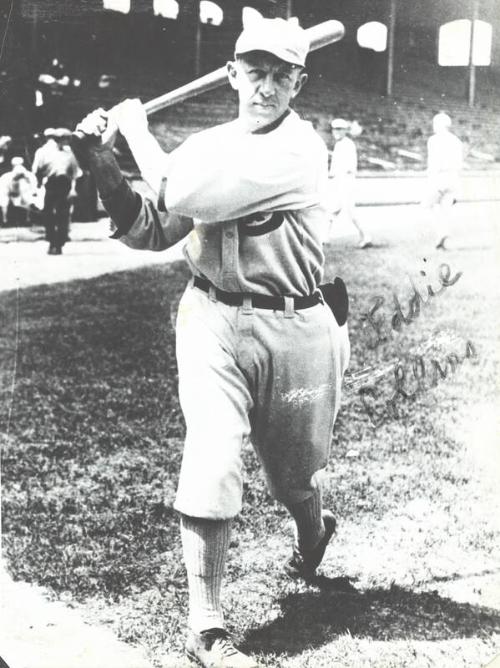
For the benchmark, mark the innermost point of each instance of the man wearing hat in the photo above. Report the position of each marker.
(17, 189)
(444, 163)
(343, 168)
(47, 147)
(260, 356)
(55, 168)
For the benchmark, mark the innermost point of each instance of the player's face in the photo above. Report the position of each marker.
(266, 85)
(339, 133)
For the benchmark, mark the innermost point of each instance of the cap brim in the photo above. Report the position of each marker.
(282, 54)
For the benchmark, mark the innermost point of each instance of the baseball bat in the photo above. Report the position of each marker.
(319, 36)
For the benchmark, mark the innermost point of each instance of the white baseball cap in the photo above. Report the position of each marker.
(339, 124)
(284, 39)
(62, 133)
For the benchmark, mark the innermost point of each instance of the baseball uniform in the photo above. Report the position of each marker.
(260, 356)
(343, 168)
(444, 162)
(56, 167)
(17, 189)
(253, 204)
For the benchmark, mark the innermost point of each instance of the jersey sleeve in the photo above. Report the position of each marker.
(74, 171)
(155, 230)
(139, 223)
(39, 164)
(214, 180)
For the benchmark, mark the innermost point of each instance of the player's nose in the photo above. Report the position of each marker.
(267, 84)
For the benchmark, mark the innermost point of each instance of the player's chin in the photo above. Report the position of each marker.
(265, 113)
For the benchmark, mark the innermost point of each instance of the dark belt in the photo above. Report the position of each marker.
(258, 301)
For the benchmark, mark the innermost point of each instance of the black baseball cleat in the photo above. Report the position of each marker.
(214, 648)
(302, 563)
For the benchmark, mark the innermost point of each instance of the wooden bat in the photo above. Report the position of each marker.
(319, 35)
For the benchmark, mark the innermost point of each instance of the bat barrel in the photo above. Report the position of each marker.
(196, 87)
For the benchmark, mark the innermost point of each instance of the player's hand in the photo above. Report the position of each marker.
(99, 128)
(130, 117)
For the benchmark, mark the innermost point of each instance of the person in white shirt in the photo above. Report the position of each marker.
(17, 190)
(444, 163)
(343, 168)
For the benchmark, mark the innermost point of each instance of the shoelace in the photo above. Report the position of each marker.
(226, 647)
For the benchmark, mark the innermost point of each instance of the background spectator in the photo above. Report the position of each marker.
(444, 162)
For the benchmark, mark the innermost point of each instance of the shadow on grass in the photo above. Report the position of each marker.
(460, 576)
(313, 618)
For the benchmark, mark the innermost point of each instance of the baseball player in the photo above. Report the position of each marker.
(444, 162)
(5, 149)
(343, 168)
(259, 353)
(17, 190)
(49, 146)
(56, 169)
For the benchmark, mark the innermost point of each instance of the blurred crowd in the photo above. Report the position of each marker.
(44, 192)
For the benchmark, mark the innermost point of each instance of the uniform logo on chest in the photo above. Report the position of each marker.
(260, 223)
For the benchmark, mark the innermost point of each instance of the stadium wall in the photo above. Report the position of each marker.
(54, 24)
(410, 187)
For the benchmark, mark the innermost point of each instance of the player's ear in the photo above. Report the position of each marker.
(299, 83)
(232, 73)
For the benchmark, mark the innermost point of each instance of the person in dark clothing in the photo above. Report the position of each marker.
(57, 170)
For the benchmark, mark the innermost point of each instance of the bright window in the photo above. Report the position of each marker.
(211, 13)
(454, 43)
(122, 6)
(373, 35)
(169, 9)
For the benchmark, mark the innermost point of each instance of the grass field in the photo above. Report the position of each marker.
(93, 440)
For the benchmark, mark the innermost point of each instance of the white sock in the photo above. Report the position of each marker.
(205, 544)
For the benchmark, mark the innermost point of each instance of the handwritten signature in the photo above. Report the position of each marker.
(415, 304)
(422, 374)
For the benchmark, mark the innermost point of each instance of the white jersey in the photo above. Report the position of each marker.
(444, 159)
(257, 202)
(344, 162)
